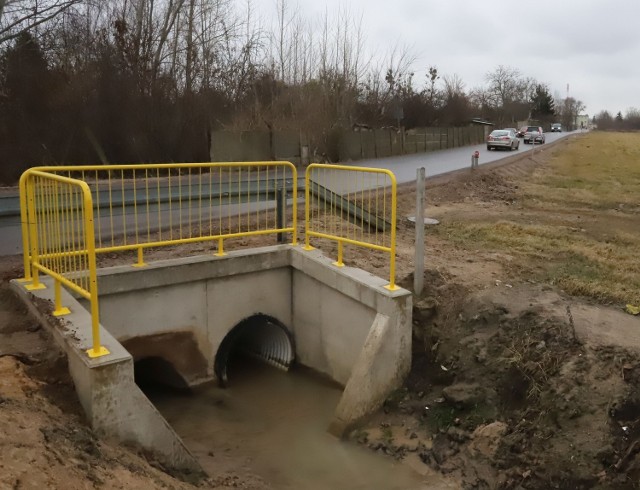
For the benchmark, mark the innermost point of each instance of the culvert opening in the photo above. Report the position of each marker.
(255, 342)
(155, 374)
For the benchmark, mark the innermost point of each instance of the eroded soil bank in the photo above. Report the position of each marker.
(515, 382)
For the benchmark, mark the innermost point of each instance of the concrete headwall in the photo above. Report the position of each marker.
(328, 310)
(343, 322)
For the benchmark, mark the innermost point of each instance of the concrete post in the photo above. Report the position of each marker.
(304, 155)
(418, 274)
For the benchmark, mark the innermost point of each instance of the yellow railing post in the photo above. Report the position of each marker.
(24, 225)
(220, 251)
(392, 253)
(59, 309)
(307, 195)
(339, 262)
(96, 350)
(33, 236)
(294, 239)
(141, 262)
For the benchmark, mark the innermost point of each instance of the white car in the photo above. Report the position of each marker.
(503, 138)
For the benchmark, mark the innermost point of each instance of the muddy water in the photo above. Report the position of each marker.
(273, 424)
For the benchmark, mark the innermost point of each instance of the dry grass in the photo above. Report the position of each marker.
(600, 171)
(578, 224)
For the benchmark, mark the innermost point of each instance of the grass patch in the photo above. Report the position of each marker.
(579, 220)
(599, 170)
(608, 271)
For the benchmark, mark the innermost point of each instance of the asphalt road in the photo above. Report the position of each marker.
(404, 168)
(445, 161)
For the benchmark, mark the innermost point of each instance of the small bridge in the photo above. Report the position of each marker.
(281, 304)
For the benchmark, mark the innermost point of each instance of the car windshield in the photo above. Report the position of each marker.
(532, 128)
(556, 126)
(500, 133)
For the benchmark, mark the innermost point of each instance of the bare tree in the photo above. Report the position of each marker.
(508, 93)
(568, 110)
(17, 16)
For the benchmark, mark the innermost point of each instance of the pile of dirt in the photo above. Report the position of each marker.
(511, 400)
(477, 186)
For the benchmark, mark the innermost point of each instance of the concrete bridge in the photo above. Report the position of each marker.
(280, 304)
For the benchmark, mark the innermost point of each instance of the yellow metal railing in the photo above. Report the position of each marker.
(58, 236)
(154, 205)
(353, 205)
(70, 214)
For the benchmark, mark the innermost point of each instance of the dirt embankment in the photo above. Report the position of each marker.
(515, 383)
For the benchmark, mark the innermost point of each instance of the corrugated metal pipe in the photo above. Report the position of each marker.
(259, 336)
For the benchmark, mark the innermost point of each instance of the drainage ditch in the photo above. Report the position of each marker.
(270, 418)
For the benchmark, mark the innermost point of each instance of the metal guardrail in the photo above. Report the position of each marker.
(353, 205)
(68, 215)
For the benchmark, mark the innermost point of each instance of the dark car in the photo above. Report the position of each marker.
(520, 133)
(556, 128)
(534, 134)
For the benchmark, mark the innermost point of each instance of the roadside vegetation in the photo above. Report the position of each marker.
(85, 82)
(576, 223)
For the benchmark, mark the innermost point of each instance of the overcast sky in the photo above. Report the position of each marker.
(592, 45)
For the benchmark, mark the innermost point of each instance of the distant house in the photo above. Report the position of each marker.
(582, 121)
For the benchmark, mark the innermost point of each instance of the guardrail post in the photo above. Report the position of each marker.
(339, 262)
(96, 350)
(392, 252)
(307, 197)
(294, 205)
(281, 203)
(220, 251)
(141, 262)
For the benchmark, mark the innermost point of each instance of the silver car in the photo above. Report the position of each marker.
(503, 138)
(534, 134)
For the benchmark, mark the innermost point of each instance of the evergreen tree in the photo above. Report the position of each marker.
(542, 106)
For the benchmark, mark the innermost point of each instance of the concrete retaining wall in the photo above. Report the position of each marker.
(112, 402)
